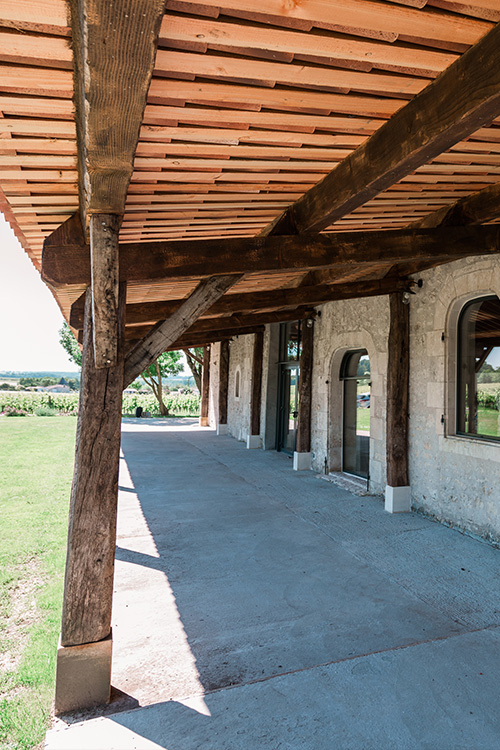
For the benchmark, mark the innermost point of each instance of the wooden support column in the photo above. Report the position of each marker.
(84, 655)
(104, 229)
(205, 387)
(253, 440)
(223, 387)
(302, 455)
(397, 494)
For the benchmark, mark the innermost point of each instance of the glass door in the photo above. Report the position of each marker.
(289, 408)
(288, 391)
(355, 372)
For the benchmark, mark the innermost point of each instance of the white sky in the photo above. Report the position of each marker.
(30, 318)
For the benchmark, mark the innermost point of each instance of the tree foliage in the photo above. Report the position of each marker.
(70, 344)
(194, 358)
(168, 363)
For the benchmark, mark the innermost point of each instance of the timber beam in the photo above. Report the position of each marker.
(150, 312)
(234, 322)
(477, 208)
(210, 337)
(462, 99)
(161, 336)
(111, 90)
(64, 265)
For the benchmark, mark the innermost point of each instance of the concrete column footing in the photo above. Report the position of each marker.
(222, 429)
(302, 461)
(254, 441)
(397, 499)
(83, 675)
(204, 422)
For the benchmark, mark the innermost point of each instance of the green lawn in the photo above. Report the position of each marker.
(488, 422)
(36, 464)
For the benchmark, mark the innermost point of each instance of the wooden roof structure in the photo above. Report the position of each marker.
(299, 151)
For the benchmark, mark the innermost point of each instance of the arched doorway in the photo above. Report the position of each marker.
(355, 374)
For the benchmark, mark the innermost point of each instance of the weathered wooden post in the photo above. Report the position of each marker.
(223, 387)
(253, 439)
(397, 491)
(205, 387)
(84, 653)
(302, 454)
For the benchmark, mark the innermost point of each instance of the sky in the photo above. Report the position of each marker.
(30, 318)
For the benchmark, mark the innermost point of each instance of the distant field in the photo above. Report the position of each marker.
(488, 387)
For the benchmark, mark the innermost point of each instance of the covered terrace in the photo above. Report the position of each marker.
(185, 172)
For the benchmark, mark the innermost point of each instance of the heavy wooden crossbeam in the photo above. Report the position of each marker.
(462, 99)
(234, 322)
(64, 264)
(114, 48)
(163, 335)
(477, 208)
(150, 312)
(210, 337)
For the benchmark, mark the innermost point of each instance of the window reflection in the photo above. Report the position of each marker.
(479, 369)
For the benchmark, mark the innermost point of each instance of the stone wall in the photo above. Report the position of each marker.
(455, 479)
(345, 325)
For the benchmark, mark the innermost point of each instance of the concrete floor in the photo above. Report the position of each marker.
(258, 608)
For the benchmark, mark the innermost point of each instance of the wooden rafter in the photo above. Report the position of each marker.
(476, 208)
(114, 52)
(234, 322)
(463, 98)
(150, 312)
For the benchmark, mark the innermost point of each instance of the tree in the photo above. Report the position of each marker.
(70, 344)
(195, 361)
(166, 364)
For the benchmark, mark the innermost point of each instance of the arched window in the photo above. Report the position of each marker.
(237, 385)
(478, 376)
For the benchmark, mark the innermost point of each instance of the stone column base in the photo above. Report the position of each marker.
(254, 441)
(397, 499)
(83, 675)
(204, 422)
(302, 461)
(222, 429)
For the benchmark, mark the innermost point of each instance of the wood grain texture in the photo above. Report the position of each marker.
(104, 253)
(223, 381)
(462, 99)
(476, 208)
(152, 312)
(163, 335)
(256, 392)
(63, 264)
(114, 52)
(88, 587)
(234, 322)
(303, 444)
(398, 378)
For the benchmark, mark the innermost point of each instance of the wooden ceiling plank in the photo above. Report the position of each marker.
(327, 48)
(42, 16)
(165, 91)
(170, 62)
(376, 20)
(461, 100)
